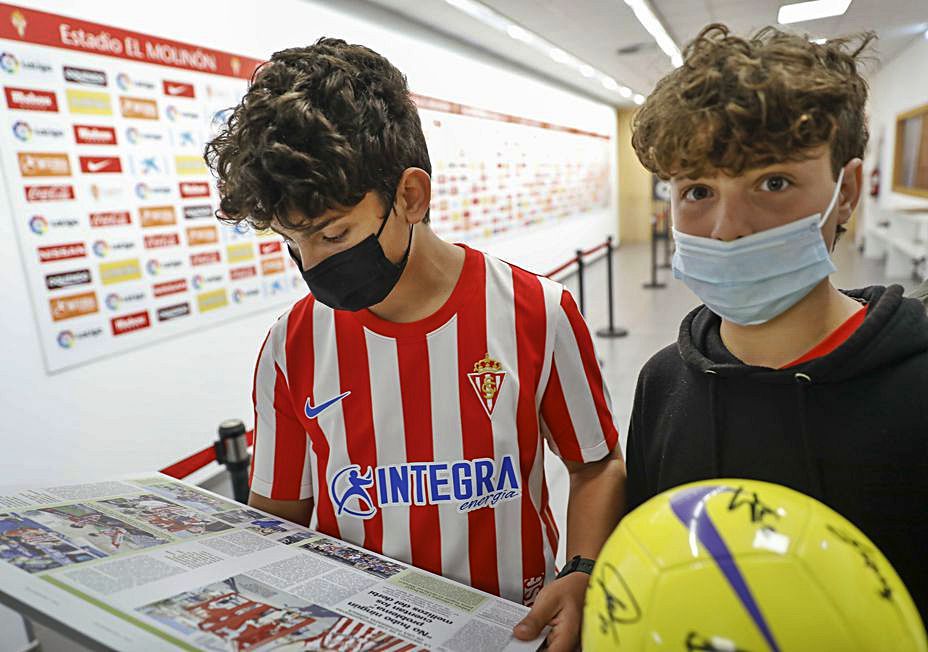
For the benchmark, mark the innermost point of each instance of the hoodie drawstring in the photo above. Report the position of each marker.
(803, 382)
(716, 427)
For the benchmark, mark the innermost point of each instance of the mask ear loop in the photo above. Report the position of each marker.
(386, 217)
(834, 200)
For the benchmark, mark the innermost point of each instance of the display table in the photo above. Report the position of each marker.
(152, 563)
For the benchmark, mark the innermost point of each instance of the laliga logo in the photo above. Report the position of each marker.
(9, 62)
(197, 281)
(22, 130)
(38, 225)
(142, 190)
(153, 267)
(100, 248)
(238, 295)
(132, 135)
(112, 301)
(123, 81)
(349, 483)
(65, 339)
(171, 112)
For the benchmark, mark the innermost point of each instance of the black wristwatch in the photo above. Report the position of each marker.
(578, 563)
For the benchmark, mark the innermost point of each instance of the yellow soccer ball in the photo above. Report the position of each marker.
(741, 565)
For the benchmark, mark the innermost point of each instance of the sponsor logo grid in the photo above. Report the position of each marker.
(114, 202)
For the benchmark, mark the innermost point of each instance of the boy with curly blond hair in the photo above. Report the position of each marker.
(780, 376)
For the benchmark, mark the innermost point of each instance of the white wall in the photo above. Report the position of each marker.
(897, 87)
(144, 409)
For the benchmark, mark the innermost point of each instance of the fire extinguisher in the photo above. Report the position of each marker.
(875, 182)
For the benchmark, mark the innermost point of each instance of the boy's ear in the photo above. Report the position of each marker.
(850, 190)
(414, 193)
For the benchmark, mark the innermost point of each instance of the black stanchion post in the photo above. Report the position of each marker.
(232, 450)
(580, 282)
(653, 283)
(666, 238)
(612, 331)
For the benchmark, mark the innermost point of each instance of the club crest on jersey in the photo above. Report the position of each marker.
(487, 379)
(472, 484)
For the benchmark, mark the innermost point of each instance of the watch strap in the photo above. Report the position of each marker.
(576, 564)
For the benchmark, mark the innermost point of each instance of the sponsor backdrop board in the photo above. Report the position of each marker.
(102, 139)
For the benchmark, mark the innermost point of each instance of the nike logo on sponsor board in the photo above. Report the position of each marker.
(96, 166)
(314, 411)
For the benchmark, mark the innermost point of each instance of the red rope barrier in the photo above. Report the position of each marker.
(560, 269)
(593, 250)
(573, 261)
(198, 460)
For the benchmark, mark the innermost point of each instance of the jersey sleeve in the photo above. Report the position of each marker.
(576, 409)
(280, 465)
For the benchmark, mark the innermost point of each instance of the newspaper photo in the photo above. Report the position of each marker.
(151, 563)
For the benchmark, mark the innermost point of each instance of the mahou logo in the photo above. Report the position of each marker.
(26, 99)
(129, 323)
(191, 189)
(91, 135)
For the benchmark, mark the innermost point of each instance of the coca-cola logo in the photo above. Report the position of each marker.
(49, 193)
(110, 218)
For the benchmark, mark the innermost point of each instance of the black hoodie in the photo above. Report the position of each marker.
(849, 428)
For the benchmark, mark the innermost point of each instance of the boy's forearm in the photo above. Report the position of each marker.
(595, 506)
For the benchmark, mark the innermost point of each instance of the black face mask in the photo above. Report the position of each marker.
(358, 277)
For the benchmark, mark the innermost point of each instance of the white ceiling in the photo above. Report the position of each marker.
(595, 31)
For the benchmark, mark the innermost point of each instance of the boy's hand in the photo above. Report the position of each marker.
(560, 606)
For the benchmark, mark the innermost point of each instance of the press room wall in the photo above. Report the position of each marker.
(146, 408)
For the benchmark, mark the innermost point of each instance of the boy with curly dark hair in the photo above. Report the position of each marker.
(780, 376)
(402, 405)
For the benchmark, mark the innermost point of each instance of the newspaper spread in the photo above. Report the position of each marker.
(152, 563)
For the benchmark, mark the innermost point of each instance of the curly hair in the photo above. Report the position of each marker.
(319, 127)
(737, 104)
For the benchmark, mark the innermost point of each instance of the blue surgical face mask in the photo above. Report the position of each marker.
(753, 279)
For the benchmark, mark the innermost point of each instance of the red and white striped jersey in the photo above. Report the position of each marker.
(423, 441)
